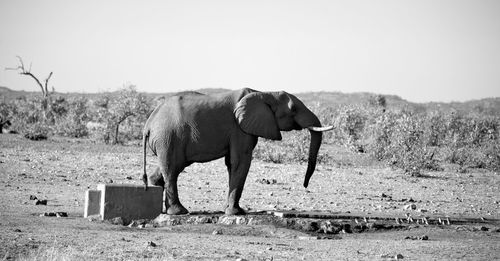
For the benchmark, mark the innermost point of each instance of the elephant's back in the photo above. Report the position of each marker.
(174, 119)
(166, 114)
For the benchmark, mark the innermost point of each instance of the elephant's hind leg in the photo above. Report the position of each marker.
(172, 203)
(170, 171)
(156, 179)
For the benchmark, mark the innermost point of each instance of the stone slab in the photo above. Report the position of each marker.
(130, 202)
(92, 203)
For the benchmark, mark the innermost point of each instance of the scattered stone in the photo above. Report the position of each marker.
(33, 197)
(422, 210)
(129, 177)
(94, 218)
(140, 223)
(346, 228)
(148, 225)
(232, 220)
(410, 207)
(110, 181)
(17, 230)
(483, 228)
(255, 221)
(267, 181)
(167, 220)
(308, 238)
(117, 221)
(359, 228)
(61, 214)
(217, 232)
(398, 256)
(424, 237)
(41, 202)
(151, 244)
(377, 226)
(201, 220)
(227, 220)
(326, 227)
(48, 214)
(241, 221)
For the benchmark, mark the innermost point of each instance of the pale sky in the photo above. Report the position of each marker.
(425, 50)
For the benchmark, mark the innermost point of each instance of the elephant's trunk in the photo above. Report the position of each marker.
(316, 138)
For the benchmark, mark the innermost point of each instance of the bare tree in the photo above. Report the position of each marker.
(24, 71)
(113, 110)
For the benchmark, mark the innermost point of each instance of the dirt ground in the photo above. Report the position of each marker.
(60, 170)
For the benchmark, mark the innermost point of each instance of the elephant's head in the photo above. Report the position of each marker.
(265, 114)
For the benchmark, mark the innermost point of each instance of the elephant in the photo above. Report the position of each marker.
(192, 127)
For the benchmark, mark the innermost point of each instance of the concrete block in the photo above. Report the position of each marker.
(92, 203)
(130, 202)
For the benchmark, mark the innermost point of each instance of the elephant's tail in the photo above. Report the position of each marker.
(145, 138)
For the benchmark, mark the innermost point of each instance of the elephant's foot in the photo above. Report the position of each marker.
(177, 210)
(235, 211)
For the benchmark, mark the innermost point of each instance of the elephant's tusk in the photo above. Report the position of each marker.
(320, 129)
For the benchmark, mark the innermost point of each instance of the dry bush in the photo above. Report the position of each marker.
(28, 118)
(351, 122)
(419, 141)
(294, 148)
(74, 122)
(472, 141)
(37, 117)
(398, 138)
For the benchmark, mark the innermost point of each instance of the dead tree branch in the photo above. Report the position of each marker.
(23, 71)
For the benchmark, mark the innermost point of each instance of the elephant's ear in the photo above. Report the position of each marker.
(255, 116)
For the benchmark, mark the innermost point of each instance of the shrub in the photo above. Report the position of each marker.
(351, 122)
(36, 131)
(380, 136)
(294, 148)
(74, 122)
(27, 112)
(399, 139)
(435, 129)
(472, 141)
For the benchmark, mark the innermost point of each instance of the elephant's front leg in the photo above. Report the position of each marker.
(238, 170)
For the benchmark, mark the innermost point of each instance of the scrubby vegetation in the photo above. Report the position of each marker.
(100, 117)
(412, 137)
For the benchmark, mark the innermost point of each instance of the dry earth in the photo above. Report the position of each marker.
(60, 170)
